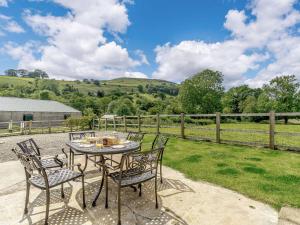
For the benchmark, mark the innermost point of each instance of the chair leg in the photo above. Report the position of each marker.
(62, 191)
(47, 206)
(27, 197)
(160, 167)
(140, 187)
(156, 203)
(70, 157)
(119, 205)
(106, 191)
(83, 193)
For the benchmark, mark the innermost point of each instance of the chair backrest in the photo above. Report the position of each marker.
(30, 162)
(139, 163)
(81, 135)
(29, 147)
(160, 141)
(135, 136)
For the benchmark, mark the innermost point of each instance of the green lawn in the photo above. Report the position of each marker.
(197, 131)
(269, 176)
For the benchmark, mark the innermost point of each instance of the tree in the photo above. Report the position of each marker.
(202, 92)
(281, 95)
(22, 72)
(233, 99)
(37, 73)
(140, 88)
(45, 95)
(11, 73)
(51, 85)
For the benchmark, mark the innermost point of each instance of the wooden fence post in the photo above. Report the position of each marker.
(182, 125)
(272, 130)
(105, 124)
(218, 127)
(10, 127)
(157, 123)
(49, 126)
(114, 123)
(30, 124)
(125, 124)
(139, 123)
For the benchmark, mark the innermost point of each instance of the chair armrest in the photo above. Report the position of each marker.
(58, 161)
(78, 166)
(63, 151)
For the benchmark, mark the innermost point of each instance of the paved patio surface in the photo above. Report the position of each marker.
(181, 201)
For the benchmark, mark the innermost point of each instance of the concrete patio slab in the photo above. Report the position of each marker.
(289, 216)
(181, 201)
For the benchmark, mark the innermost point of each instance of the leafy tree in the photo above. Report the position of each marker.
(50, 85)
(22, 72)
(11, 73)
(45, 95)
(202, 92)
(100, 93)
(140, 88)
(233, 99)
(282, 94)
(37, 73)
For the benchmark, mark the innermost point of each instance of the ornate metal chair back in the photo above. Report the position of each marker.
(139, 163)
(81, 135)
(29, 147)
(30, 162)
(160, 141)
(135, 136)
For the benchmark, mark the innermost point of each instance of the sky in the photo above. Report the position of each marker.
(249, 41)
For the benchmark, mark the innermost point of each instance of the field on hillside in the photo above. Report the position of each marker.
(108, 86)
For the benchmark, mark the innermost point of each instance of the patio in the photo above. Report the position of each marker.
(181, 201)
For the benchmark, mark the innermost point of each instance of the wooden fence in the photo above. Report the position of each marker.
(269, 132)
(32, 127)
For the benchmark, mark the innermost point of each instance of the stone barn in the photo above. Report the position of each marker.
(24, 109)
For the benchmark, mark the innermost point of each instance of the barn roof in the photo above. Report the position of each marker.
(12, 104)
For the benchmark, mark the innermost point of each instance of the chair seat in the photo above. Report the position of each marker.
(51, 163)
(131, 177)
(55, 178)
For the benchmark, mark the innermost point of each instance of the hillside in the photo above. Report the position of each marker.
(108, 86)
(105, 96)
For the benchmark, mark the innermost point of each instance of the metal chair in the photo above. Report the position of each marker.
(135, 169)
(160, 141)
(136, 136)
(31, 148)
(78, 136)
(43, 179)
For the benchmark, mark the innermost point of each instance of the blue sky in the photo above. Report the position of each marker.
(103, 39)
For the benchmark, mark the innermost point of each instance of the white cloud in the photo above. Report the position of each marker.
(264, 37)
(14, 27)
(4, 3)
(9, 25)
(76, 46)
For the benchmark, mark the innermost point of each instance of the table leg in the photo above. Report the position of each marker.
(101, 185)
(85, 162)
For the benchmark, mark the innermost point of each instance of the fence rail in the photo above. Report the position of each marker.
(269, 132)
(33, 127)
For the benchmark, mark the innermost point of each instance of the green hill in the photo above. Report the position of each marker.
(96, 94)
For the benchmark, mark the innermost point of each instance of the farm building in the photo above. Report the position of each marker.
(24, 109)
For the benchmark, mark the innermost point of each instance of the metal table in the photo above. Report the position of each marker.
(101, 151)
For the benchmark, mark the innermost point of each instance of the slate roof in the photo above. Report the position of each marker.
(12, 104)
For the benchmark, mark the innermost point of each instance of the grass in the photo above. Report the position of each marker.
(260, 138)
(269, 176)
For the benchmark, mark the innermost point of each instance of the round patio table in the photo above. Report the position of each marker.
(93, 150)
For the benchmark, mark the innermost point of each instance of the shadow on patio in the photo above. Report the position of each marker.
(135, 209)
